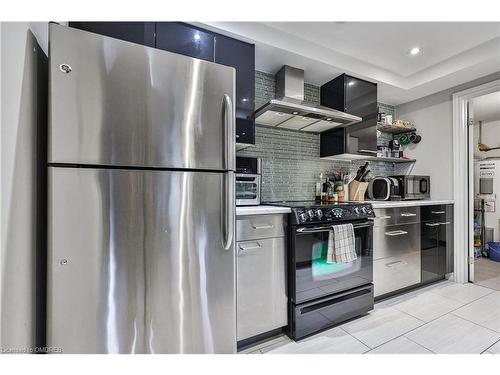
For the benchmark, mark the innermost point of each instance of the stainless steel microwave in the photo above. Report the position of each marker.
(248, 179)
(414, 187)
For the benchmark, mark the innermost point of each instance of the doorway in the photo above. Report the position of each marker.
(463, 179)
(484, 119)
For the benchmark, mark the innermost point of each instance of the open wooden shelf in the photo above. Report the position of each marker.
(392, 160)
(394, 129)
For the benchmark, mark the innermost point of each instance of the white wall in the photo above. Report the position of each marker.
(433, 118)
(23, 49)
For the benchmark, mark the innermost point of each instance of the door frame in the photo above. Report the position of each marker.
(463, 179)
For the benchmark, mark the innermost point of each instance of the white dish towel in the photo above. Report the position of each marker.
(341, 248)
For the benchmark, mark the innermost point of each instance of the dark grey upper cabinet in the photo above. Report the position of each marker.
(241, 56)
(185, 40)
(135, 32)
(356, 97)
(351, 95)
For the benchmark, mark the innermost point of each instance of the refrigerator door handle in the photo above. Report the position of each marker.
(229, 133)
(228, 211)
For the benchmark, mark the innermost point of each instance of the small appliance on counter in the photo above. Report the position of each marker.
(248, 176)
(414, 187)
(384, 189)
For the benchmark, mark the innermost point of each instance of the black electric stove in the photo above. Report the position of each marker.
(323, 294)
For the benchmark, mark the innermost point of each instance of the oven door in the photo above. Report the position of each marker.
(247, 189)
(312, 277)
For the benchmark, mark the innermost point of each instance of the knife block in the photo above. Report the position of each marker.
(357, 190)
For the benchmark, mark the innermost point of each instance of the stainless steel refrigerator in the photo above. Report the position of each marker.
(141, 199)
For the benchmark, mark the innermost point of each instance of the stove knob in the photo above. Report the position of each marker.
(319, 214)
(363, 210)
(356, 210)
(310, 213)
(302, 217)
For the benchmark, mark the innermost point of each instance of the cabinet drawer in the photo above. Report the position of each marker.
(397, 272)
(261, 287)
(393, 240)
(440, 212)
(396, 215)
(260, 226)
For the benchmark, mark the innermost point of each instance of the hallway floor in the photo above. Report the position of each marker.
(441, 318)
(487, 273)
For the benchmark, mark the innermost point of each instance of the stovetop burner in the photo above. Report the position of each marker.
(305, 212)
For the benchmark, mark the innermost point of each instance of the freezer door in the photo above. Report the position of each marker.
(118, 103)
(140, 262)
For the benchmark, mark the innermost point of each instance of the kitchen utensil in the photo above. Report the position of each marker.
(418, 139)
(412, 137)
(363, 176)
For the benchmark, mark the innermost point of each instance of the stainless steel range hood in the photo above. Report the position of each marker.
(290, 111)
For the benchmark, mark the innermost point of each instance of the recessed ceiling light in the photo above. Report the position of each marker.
(295, 113)
(415, 51)
(279, 114)
(328, 119)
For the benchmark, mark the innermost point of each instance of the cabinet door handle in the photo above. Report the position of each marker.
(396, 233)
(438, 212)
(408, 214)
(432, 224)
(380, 218)
(253, 246)
(445, 223)
(263, 226)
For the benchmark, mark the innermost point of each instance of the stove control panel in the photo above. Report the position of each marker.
(333, 213)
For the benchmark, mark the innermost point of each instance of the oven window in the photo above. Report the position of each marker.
(315, 277)
(320, 267)
(246, 190)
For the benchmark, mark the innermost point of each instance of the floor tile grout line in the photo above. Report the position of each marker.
(396, 337)
(423, 346)
(430, 321)
(355, 338)
(477, 324)
(488, 348)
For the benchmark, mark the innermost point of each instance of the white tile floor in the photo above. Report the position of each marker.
(487, 273)
(442, 318)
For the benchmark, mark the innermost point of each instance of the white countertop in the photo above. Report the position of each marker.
(423, 202)
(267, 210)
(262, 210)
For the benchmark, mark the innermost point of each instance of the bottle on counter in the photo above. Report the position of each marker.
(325, 190)
(340, 192)
(319, 187)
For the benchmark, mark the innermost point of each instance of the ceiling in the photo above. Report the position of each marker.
(452, 52)
(486, 108)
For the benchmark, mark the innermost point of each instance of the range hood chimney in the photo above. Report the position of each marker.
(291, 111)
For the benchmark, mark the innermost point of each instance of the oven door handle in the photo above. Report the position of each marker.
(325, 228)
(313, 230)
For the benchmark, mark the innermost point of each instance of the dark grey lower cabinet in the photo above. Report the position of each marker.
(436, 242)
